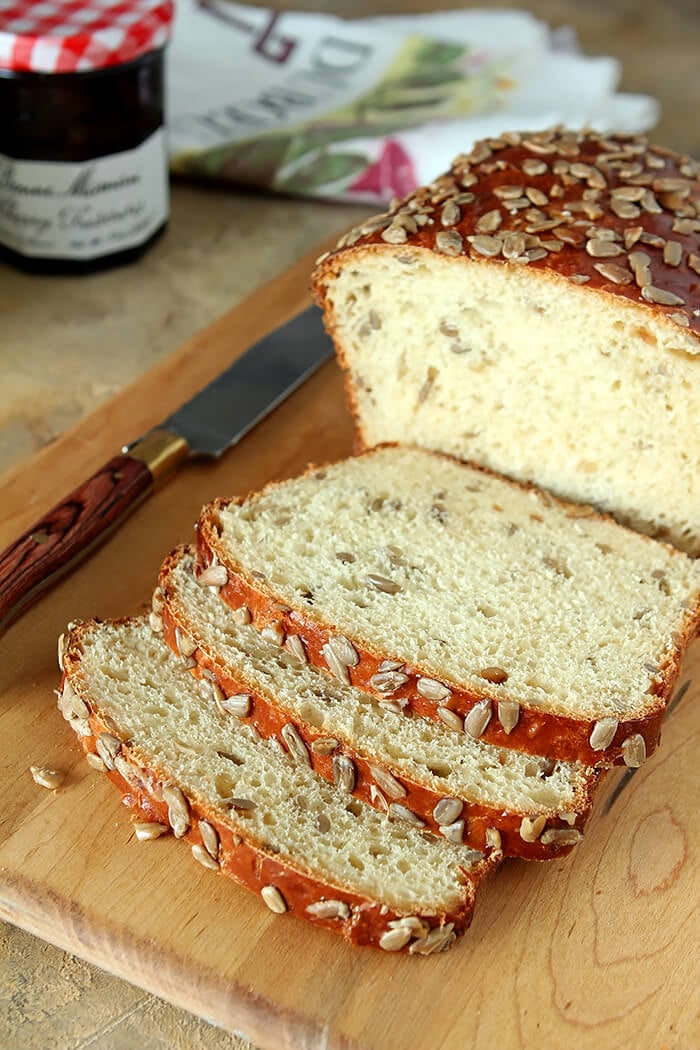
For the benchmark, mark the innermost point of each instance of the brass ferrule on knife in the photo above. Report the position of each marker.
(161, 450)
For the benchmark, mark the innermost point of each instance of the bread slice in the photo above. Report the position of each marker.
(544, 626)
(252, 811)
(537, 310)
(411, 768)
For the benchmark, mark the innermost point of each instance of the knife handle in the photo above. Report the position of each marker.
(74, 527)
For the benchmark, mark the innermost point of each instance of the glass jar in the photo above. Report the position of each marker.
(83, 151)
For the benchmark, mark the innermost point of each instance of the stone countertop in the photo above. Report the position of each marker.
(69, 344)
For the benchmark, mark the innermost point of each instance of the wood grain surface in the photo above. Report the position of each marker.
(597, 950)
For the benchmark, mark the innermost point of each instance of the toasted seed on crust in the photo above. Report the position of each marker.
(237, 704)
(297, 747)
(448, 810)
(274, 899)
(493, 839)
(438, 940)
(418, 927)
(508, 714)
(387, 782)
(186, 646)
(388, 681)
(273, 633)
(602, 733)
(344, 775)
(202, 857)
(241, 615)
(489, 221)
(294, 645)
(453, 832)
(108, 747)
(561, 837)
(476, 720)
(147, 830)
(178, 809)
(399, 812)
(47, 777)
(395, 939)
(155, 622)
(95, 762)
(213, 576)
(634, 751)
(652, 294)
(329, 909)
(613, 272)
(450, 718)
(432, 689)
(210, 838)
(325, 745)
(531, 828)
(449, 242)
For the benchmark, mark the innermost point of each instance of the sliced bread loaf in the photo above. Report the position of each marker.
(252, 811)
(544, 626)
(537, 310)
(430, 774)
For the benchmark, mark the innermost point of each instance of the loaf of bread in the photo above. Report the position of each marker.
(251, 809)
(537, 310)
(442, 587)
(433, 775)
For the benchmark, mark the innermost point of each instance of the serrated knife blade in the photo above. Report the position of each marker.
(212, 421)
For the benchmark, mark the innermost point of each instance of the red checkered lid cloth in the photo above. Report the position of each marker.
(75, 36)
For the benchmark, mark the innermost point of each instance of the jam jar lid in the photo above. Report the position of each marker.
(75, 36)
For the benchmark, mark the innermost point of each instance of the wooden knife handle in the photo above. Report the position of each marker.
(69, 532)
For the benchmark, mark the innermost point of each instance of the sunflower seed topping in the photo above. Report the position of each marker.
(155, 622)
(602, 733)
(418, 927)
(476, 720)
(337, 668)
(294, 645)
(450, 718)
(399, 812)
(602, 249)
(210, 838)
(388, 681)
(95, 762)
(108, 747)
(614, 273)
(343, 773)
(237, 704)
(394, 940)
(325, 745)
(387, 782)
(328, 909)
(274, 899)
(533, 167)
(394, 234)
(634, 751)
(639, 261)
(431, 689)
(450, 214)
(241, 615)
(561, 837)
(273, 633)
(489, 221)
(202, 857)
(652, 294)
(147, 830)
(178, 810)
(531, 828)
(297, 747)
(673, 253)
(213, 576)
(506, 193)
(344, 650)
(438, 940)
(47, 777)
(186, 646)
(486, 245)
(448, 810)
(448, 242)
(493, 839)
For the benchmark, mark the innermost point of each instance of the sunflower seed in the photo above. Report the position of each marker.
(536, 196)
(476, 720)
(418, 927)
(47, 777)
(382, 583)
(273, 633)
(328, 909)
(335, 666)
(72, 704)
(343, 773)
(602, 733)
(489, 221)
(155, 622)
(438, 940)
(634, 751)
(202, 857)
(602, 249)
(147, 830)
(297, 747)
(210, 838)
(61, 646)
(533, 167)
(506, 193)
(450, 718)
(432, 689)
(396, 939)
(108, 747)
(673, 253)
(186, 646)
(387, 782)
(680, 319)
(631, 235)
(294, 645)
(274, 899)
(450, 214)
(531, 828)
(627, 193)
(241, 615)
(378, 799)
(453, 832)
(178, 810)
(639, 261)
(325, 745)
(394, 234)
(448, 810)
(652, 294)
(210, 691)
(390, 665)
(486, 245)
(694, 263)
(95, 762)
(614, 273)
(650, 204)
(399, 812)
(213, 576)
(513, 245)
(388, 681)
(344, 650)
(237, 704)
(448, 242)
(242, 804)
(561, 837)
(493, 839)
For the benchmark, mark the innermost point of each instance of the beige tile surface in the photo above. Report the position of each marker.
(69, 344)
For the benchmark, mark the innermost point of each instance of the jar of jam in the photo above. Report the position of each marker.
(83, 151)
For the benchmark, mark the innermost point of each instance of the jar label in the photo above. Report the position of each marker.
(83, 211)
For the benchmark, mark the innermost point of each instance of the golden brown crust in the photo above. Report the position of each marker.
(536, 732)
(238, 856)
(614, 213)
(269, 719)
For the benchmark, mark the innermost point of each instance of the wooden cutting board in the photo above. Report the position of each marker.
(598, 950)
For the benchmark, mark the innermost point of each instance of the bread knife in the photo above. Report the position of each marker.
(212, 421)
